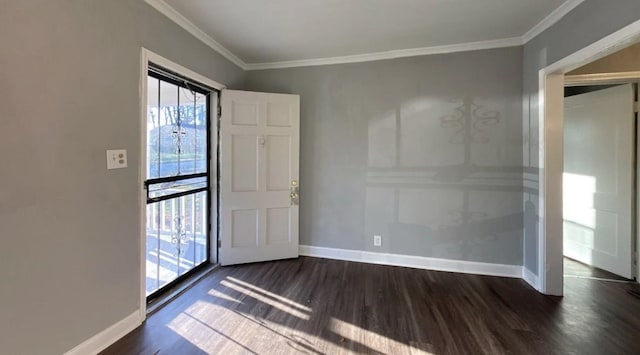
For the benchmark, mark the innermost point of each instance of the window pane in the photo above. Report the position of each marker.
(201, 231)
(164, 138)
(153, 125)
(153, 258)
(173, 187)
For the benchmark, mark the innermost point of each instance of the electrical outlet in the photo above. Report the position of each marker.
(116, 159)
(377, 240)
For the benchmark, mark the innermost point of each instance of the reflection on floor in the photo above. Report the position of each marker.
(573, 268)
(319, 306)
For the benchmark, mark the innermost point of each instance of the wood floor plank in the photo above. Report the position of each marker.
(319, 306)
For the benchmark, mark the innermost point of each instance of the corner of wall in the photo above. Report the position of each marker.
(105, 338)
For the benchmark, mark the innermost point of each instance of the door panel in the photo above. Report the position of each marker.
(278, 163)
(244, 113)
(278, 225)
(259, 143)
(244, 228)
(244, 163)
(598, 178)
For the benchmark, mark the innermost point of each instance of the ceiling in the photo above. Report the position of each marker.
(257, 34)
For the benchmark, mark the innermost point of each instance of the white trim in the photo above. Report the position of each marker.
(213, 178)
(102, 340)
(550, 112)
(400, 53)
(168, 64)
(551, 157)
(142, 174)
(146, 57)
(182, 21)
(551, 19)
(418, 262)
(634, 256)
(601, 78)
(530, 278)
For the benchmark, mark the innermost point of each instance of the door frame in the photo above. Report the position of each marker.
(551, 129)
(602, 79)
(147, 57)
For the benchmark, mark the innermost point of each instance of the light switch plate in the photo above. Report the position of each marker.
(116, 159)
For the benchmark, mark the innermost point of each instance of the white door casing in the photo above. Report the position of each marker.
(598, 178)
(259, 167)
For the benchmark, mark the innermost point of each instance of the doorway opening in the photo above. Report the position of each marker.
(177, 184)
(599, 179)
(551, 120)
(178, 176)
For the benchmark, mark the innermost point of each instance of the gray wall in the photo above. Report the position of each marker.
(587, 23)
(426, 151)
(69, 73)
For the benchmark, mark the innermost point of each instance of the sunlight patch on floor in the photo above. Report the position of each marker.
(271, 294)
(242, 318)
(205, 336)
(376, 342)
(223, 296)
(270, 300)
(198, 327)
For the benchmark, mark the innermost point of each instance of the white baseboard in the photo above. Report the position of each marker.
(102, 340)
(418, 262)
(530, 278)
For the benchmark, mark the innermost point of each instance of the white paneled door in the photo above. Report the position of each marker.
(259, 182)
(598, 178)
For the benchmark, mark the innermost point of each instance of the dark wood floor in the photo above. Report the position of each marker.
(319, 306)
(573, 268)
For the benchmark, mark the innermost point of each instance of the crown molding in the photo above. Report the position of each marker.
(551, 19)
(182, 21)
(400, 53)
